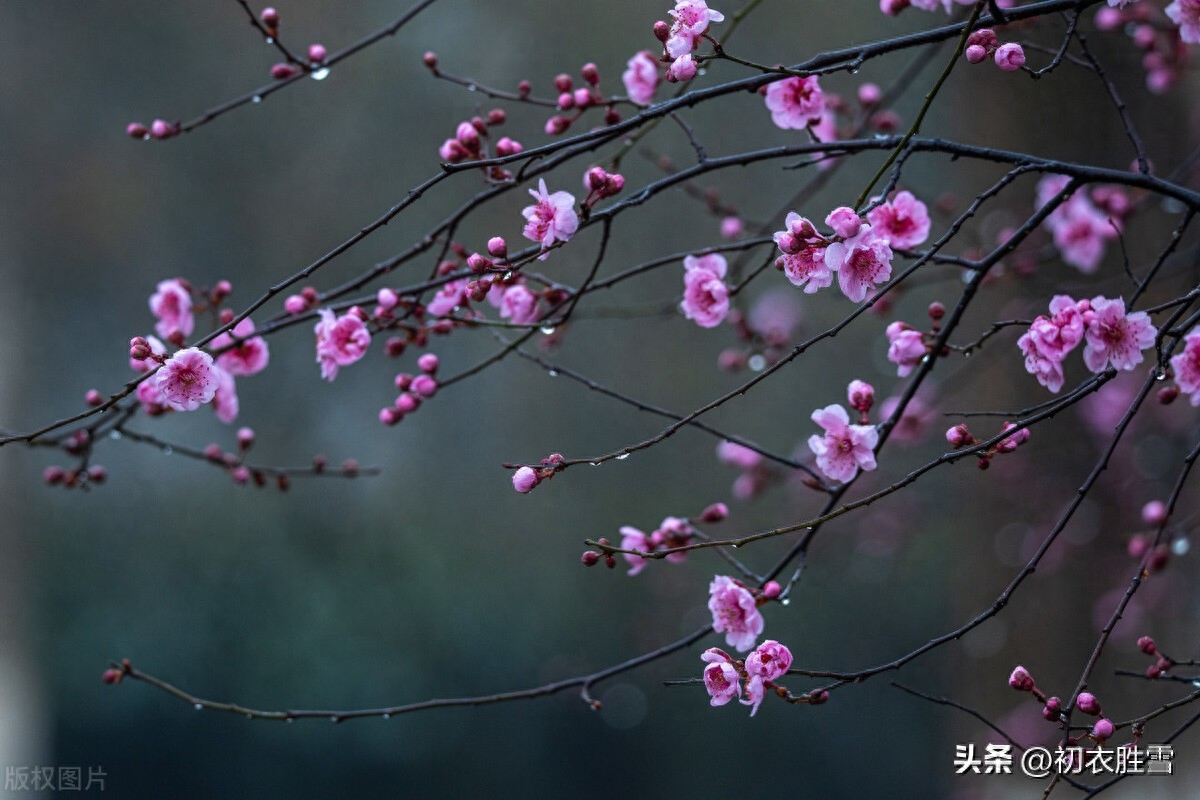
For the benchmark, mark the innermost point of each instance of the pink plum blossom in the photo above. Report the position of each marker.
(633, 539)
(641, 78)
(340, 341)
(904, 221)
(524, 479)
(1186, 366)
(806, 268)
(1047, 370)
(1081, 235)
(1009, 57)
(251, 354)
(861, 262)
(552, 218)
(172, 304)
(738, 455)
(1114, 337)
(844, 447)
(845, 222)
(705, 295)
(906, 347)
(519, 305)
(692, 18)
(225, 400)
(861, 396)
(735, 612)
(151, 397)
(769, 660)
(1186, 14)
(795, 103)
(449, 297)
(721, 678)
(188, 379)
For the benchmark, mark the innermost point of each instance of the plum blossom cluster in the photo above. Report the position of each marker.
(960, 436)
(859, 251)
(413, 390)
(1162, 662)
(471, 142)
(1084, 224)
(845, 448)
(673, 532)
(907, 346)
(680, 38)
(723, 675)
(705, 295)
(192, 377)
(1113, 337)
(641, 78)
(1164, 46)
(1052, 708)
(573, 102)
(983, 43)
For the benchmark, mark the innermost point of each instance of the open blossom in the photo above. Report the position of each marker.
(904, 221)
(738, 455)
(1114, 337)
(861, 262)
(633, 539)
(705, 295)
(721, 678)
(807, 269)
(1081, 230)
(844, 447)
(1186, 366)
(552, 218)
(172, 304)
(340, 341)
(519, 305)
(682, 69)
(795, 103)
(769, 661)
(691, 21)
(906, 347)
(1186, 14)
(735, 613)
(1050, 339)
(641, 78)
(449, 297)
(248, 357)
(1047, 370)
(187, 380)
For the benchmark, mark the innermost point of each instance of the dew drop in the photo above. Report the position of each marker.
(508, 275)
(319, 74)
(249, 716)
(256, 99)
(734, 546)
(270, 40)
(333, 719)
(387, 716)
(290, 720)
(623, 456)
(198, 707)
(757, 363)
(594, 463)
(114, 435)
(553, 373)
(787, 601)
(472, 87)
(1181, 546)
(548, 330)
(854, 70)
(1160, 374)
(168, 450)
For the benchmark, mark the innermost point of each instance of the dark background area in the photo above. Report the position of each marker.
(435, 579)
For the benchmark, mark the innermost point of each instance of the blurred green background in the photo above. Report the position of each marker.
(435, 579)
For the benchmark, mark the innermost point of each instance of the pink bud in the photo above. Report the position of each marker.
(524, 479)
(936, 311)
(428, 362)
(662, 31)
(97, 474)
(430, 59)
(407, 403)
(582, 98)
(524, 88)
(245, 438)
(566, 101)
(508, 147)
(869, 94)
(1103, 729)
(1052, 709)
(590, 73)
(52, 475)
(137, 130)
(595, 178)
(1087, 703)
(316, 52)
(295, 304)
(732, 227)
(496, 116)
(772, 590)
(1154, 513)
(387, 298)
(241, 475)
(984, 37)
(497, 247)
(350, 467)
(1137, 547)
(467, 136)
(1108, 19)
(563, 82)
(269, 17)
(1021, 680)
(1147, 646)
(424, 385)
(975, 54)
(861, 396)
(213, 453)
(556, 125)
(161, 129)
(93, 397)
(682, 69)
(590, 558)
(389, 416)
(715, 513)
(281, 71)
(958, 436)
(1010, 57)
